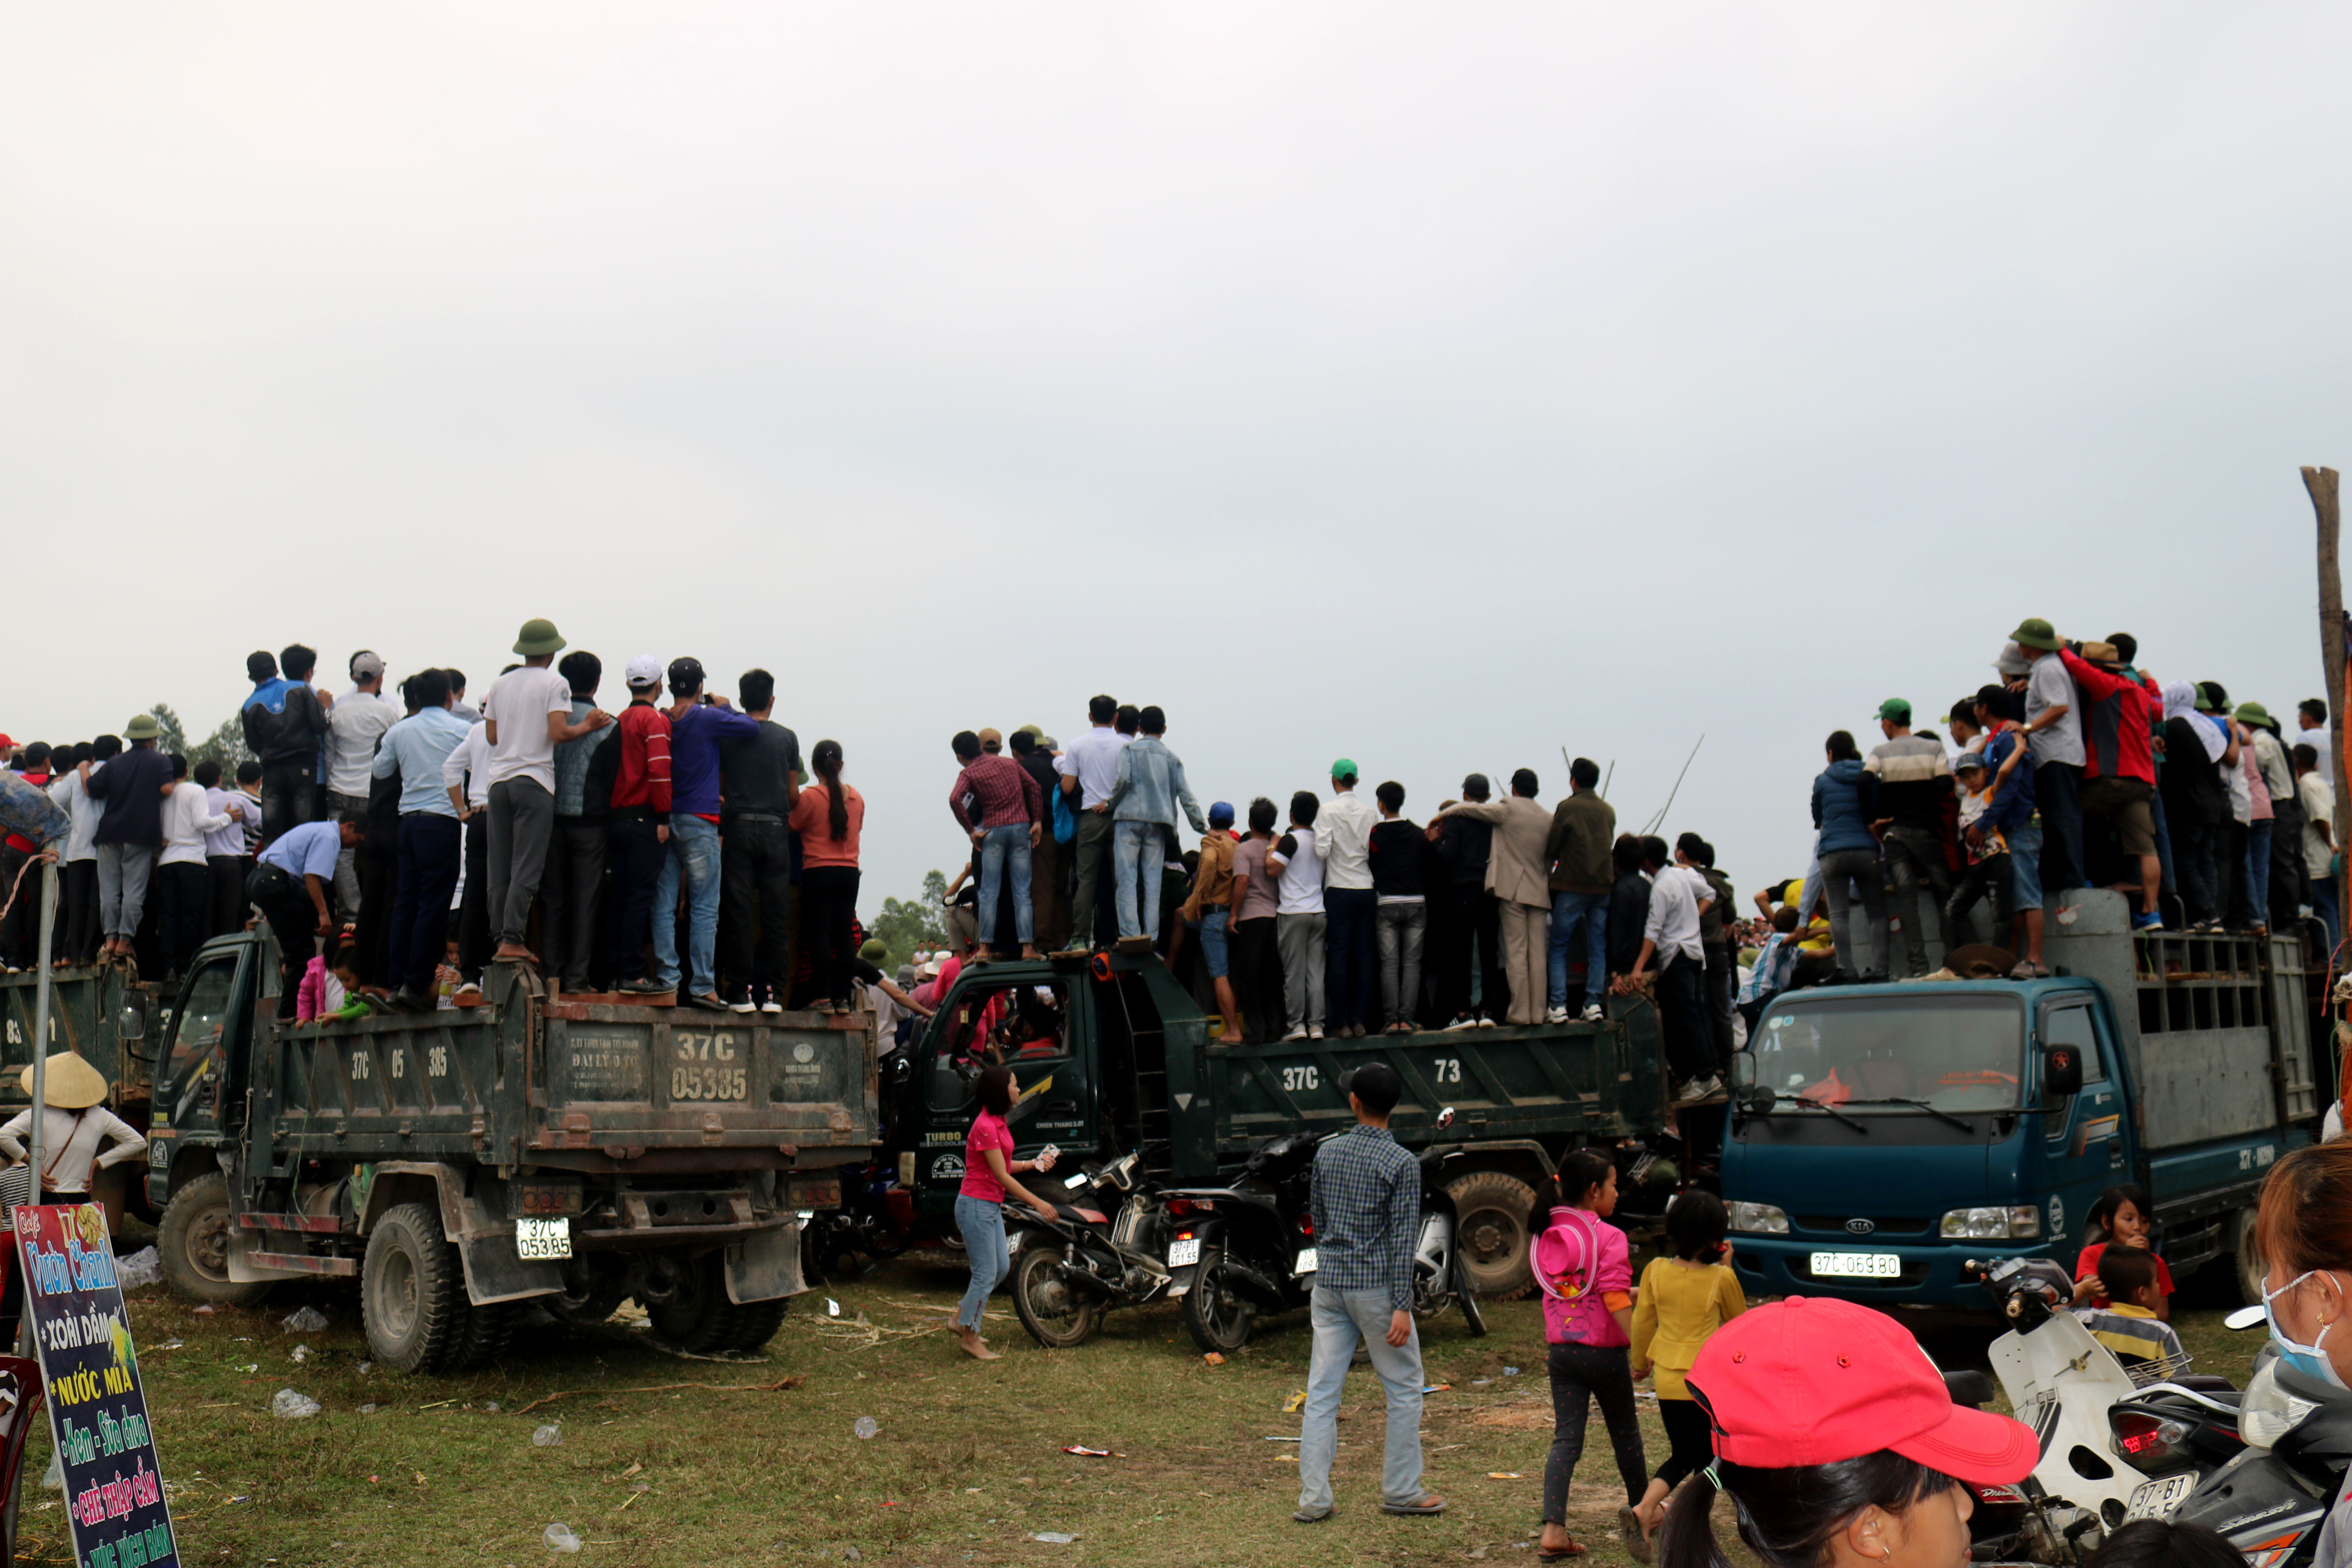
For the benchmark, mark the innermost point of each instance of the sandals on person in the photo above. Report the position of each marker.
(1429, 1504)
(1572, 1549)
(1637, 1538)
(1303, 1517)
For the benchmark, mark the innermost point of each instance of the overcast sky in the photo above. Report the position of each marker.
(1438, 386)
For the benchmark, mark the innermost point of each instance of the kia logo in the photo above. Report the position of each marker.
(1862, 1227)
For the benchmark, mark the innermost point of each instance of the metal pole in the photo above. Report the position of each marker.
(41, 1018)
(2327, 510)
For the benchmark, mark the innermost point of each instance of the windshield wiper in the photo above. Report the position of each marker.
(1923, 1105)
(1779, 1099)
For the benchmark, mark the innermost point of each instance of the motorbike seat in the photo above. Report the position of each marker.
(1091, 1218)
(2204, 1383)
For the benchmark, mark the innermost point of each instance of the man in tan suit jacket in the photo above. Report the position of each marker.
(1520, 878)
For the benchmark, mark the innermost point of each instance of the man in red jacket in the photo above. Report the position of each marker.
(637, 839)
(2118, 763)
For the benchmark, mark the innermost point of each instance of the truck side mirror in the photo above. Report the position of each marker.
(2062, 1071)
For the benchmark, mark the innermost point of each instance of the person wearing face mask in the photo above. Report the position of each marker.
(1839, 1445)
(2308, 1292)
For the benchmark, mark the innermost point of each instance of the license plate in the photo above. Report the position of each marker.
(1305, 1264)
(1856, 1265)
(1183, 1250)
(543, 1238)
(2158, 1497)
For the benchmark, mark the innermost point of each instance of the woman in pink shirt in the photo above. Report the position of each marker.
(988, 1168)
(828, 816)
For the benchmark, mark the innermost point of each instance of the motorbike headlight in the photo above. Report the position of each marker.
(2021, 1221)
(1758, 1219)
(2267, 1412)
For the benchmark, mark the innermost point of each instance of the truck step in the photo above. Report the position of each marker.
(302, 1262)
(319, 1224)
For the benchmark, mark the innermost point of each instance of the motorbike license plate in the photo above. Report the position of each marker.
(2158, 1497)
(549, 1238)
(1856, 1265)
(1305, 1264)
(1183, 1250)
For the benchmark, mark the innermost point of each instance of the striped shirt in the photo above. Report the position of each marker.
(2135, 1334)
(1367, 1206)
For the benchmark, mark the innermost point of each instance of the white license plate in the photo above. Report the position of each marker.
(1856, 1265)
(1305, 1264)
(543, 1238)
(2158, 1497)
(1184, 1250)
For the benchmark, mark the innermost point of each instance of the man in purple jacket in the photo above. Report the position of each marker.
(697, 724)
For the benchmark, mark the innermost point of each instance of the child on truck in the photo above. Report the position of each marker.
(2131, 1327)
(1683, 1299)
(2120, 1219)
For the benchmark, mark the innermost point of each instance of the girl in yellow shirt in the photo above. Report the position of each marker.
(1683, 1299)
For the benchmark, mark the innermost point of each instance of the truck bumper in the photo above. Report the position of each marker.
(1927, 1276)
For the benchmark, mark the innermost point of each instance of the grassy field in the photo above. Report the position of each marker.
(966, 1469)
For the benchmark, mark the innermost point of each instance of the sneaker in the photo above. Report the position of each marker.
(644, 986)
(1484, 1022)
(471, 988)
(1555, 1015)
(1592, 1013)
(2027, 969)
(1700, 1089)
(407, 1001)
(2150, 922)
(1296, 1035)
(708, 1001)
(1314, 1031)
(738, 998)
(1464, 1022)
(1133, 945)
(770, 1002)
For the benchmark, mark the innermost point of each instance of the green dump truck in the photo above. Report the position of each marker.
(1112, 1056)
(461, 1163)
(106, 1017)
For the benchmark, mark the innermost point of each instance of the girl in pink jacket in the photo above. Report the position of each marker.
(1585, 1268)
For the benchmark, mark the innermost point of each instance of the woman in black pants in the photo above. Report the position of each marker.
(828, 815)
(1584, 1267)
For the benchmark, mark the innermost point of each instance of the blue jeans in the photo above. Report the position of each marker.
(1568, 911)
(2025, 865)
(998, 846)
(1341, 1318)
(1213, 944)
(1135, 856)
(981, 1224)
(2258, 866)
(693, 846)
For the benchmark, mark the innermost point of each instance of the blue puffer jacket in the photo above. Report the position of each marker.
(1842, 805)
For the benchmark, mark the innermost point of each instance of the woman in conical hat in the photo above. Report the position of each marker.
(77, 1123)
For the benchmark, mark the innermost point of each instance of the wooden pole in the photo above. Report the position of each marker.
(2321, 484)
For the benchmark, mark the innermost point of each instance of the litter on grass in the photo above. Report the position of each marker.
(1295, 1403)
(867, 1427)
(1505, 1476)
(1437, 1388)
(309, 1320)
(1213, 1359)
(547, 1436)
(832, 1308)
(145, 1267)
(559, 1538)
(1510, 1372)
(301, 1352)
(1085, 1453)
(1278, 1439)
(288, 1405)
(1052, 1537)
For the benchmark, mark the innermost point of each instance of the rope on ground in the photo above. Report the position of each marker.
(776, 1387)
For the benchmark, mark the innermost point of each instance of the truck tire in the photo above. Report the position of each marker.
(412, 1290)
(1218, 1317)
(756, 1324)
(2246, 1260)
(591, 1294)
(1057, 1316)
(194, 1243)
(482, 1336)
(697, 1318)
(1491, 1238)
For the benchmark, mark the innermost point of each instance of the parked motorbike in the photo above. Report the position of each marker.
(1440, 1281)
(2115, 1444)
(1097, 1255)
(2271, 1501)
(875, 1218)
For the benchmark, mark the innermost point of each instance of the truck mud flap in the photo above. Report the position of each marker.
(493, 1272)
(765, 1264)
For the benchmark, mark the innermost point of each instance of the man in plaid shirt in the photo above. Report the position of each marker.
(1366, 1208)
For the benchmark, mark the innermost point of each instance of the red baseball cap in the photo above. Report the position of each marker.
(1810, 1382)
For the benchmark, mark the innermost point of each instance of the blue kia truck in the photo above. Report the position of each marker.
(1880, 1136)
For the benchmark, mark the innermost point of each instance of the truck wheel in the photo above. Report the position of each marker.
(756, 1324)
(1056, 1315)
(194, 1243)
(482, 1336)
(1492, 1235)
(412, 1290)
(2248, 1260)
(695, 1315)
(591, 1294)
(1218, 1317)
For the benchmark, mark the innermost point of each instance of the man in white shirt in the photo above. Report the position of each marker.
(225, 862)
(1298, 916)
(526, 714)
(181, 883)
(2311, 718)
(77, 878)
(1343, 838)
(354, 724)
(1089, 771)
(1678, 896)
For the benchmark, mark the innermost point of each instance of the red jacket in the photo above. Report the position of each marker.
(644, 778)
(2114, 724)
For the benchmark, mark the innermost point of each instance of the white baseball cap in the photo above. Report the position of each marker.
(644, 670)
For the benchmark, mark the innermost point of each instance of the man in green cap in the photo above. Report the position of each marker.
(1351, 905)
(2054, 739)
(527, 713)
(1915, 781)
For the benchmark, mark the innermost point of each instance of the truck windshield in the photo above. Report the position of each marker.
(1955, 1053)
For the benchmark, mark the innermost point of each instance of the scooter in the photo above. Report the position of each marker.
(2273, 1500)
(1096, 1254)
(874, 1219)
(1439, 1280)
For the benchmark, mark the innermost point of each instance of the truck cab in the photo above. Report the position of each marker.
(1882, 1136)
